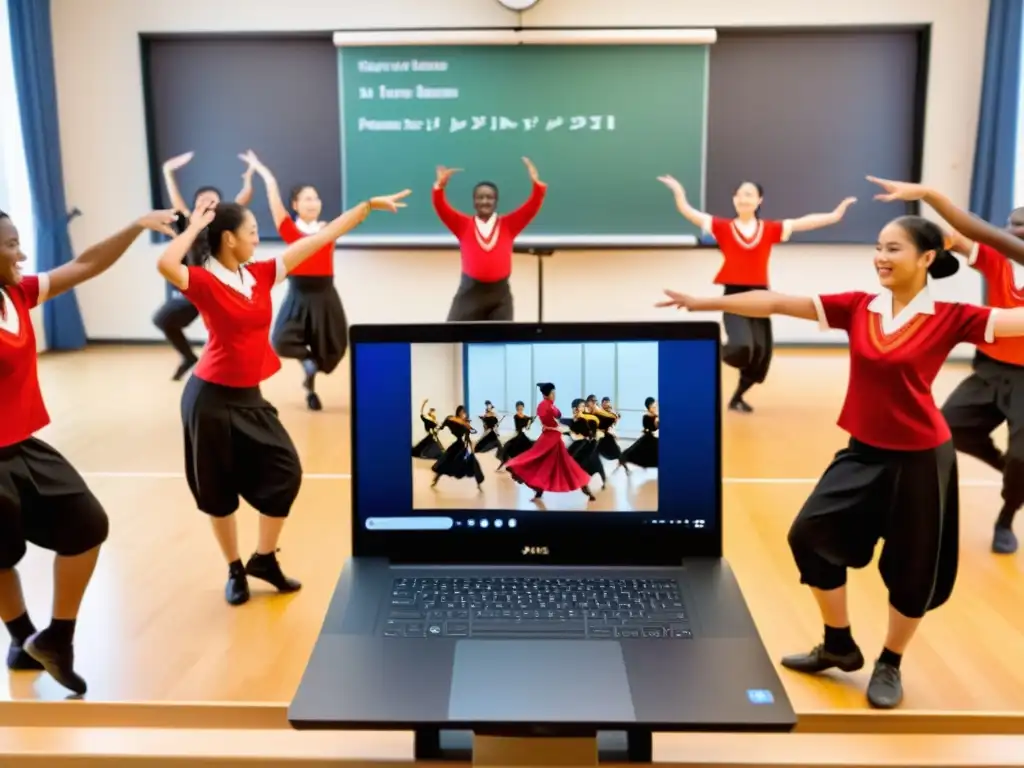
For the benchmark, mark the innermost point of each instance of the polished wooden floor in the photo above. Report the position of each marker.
(155, 626)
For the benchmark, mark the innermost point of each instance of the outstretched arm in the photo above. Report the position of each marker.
(99, 258)
(277, 207)
(1008, 322)
(451, 218)
(820, 220)
(170, 263)
(173, 193)
(244, 196)
(699, 219)
(520, 218)
(747, 304)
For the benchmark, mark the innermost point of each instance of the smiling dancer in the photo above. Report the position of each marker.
(897, 477)
(746, 245)
(486, 241)
(235, 444)
(177, 312)
(43, 499)
(547, 465)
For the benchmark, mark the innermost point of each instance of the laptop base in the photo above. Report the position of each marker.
(632, 746)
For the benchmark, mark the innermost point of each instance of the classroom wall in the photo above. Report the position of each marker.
(106, 173)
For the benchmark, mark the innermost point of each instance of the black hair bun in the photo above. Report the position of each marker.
(944, 265)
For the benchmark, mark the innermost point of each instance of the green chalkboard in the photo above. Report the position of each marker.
(600, 122)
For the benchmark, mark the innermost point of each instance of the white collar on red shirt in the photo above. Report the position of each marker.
(309, 227)
(921, 304)
(241, 281)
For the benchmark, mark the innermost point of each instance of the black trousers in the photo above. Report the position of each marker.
(176, 314)
(44, 501)
(476, 301)
(910, 499)
(992, 394)
(236, 446)
(312, 324)
(750, 342)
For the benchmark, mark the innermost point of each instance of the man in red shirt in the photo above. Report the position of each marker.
(486, 241)
(994, 392)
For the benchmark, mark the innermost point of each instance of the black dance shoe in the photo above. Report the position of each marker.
(19, 661)
(266, 568)
(1004, 541)
(57, 659)
(819, 659)
(885, 690)
(740, 405)
(236, 591)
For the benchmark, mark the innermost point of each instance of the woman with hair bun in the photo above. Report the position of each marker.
(897, 477)
(746, 244)
(235, 444)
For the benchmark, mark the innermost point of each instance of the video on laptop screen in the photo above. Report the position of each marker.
(487, 436)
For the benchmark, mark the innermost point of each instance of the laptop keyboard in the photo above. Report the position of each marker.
(537, 607)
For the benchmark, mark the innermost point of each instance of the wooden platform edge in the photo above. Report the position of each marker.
(94, 747)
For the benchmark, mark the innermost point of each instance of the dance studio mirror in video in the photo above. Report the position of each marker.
(533, 427)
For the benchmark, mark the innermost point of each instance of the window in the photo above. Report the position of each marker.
(15, 196)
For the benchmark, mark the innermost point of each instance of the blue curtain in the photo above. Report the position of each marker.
(32, 49)
(996, 152)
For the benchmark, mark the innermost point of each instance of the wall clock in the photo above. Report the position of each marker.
(519, 5)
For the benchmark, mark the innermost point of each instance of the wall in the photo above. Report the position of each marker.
(436, 372)
(105, 163)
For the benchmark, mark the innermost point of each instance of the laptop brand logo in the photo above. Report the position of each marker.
(536, 551)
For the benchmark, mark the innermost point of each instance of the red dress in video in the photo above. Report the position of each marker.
(547, 465)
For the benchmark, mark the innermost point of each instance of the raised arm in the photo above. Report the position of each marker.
(244, 196)
(274, 199)
(699, 219)
(747, 304)
(967, 224)
(99, 258)
(454, 220)
(820, 220)
(170, 263)
(300, 250)
(520, 218)
(173, 193)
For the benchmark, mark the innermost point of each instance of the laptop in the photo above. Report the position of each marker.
(471, 604)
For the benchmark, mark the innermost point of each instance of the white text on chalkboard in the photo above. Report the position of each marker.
(495, 123)
(403, 66)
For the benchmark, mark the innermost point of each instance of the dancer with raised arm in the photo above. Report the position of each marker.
(746, 242)
(177, 312)
(485, 241)
(235, 444)
(994, 392)
(311, 325)
(43, 499)
(897, 477)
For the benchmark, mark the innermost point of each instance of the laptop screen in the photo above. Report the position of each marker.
(458, 438)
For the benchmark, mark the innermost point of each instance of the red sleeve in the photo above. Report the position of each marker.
(198, 285)
(29, 286)
(987, 260)
(451, 218)
(288, 231)
(836, 310)
(721, 229)
(973, 324)
(772, 233)
(544, 410)
(520, 218)
(264, 271)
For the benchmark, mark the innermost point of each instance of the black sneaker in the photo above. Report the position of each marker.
(19, 661)
(59, 662)
(268, 569)
(885, 690)
(819, 659)
(1004, 541)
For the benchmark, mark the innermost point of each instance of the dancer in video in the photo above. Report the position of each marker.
(459, 460)
(585, 450)
(547, 465)
(43, 499)
(490, 441)
(746, 245)
(235, 444)
(485, 241)
(177, 312)
(608, 443)
(311, 326)
(897, 477)
(644, 451)
(994, 392)
(429, 447)
(521, 442)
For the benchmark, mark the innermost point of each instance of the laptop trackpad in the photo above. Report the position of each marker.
(540, 681)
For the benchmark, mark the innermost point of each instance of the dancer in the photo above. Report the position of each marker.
(608, 444)
(430, 446)
(521, 442)
(547, 466)
(644, 450)
(177, 312)
(235, 444)
(994, 392)
(311, 326)
(485, 241)
(43, 499)
(490, 440)
(459, 459)
(897, 477)
(746, 246)
(585, 450)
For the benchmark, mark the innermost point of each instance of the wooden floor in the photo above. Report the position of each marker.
(155, 626)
